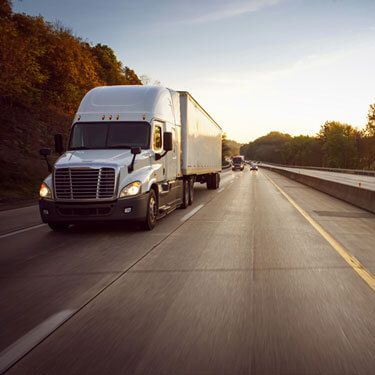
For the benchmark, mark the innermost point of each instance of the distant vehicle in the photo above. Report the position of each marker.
(134, 154)
(238, 162)
(253, 167)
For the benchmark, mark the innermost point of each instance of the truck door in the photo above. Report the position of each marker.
(171, 164)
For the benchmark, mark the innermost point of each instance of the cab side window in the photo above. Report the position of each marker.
(157, 142)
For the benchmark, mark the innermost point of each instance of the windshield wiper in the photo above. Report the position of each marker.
(121, 146)
(80, 148)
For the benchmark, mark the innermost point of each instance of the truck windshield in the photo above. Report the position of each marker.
(237, 160)
(102, 135)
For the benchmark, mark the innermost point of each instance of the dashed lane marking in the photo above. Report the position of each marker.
(22, 346)
(191, 213)
(22, 230)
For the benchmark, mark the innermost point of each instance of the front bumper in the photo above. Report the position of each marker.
(132, 208)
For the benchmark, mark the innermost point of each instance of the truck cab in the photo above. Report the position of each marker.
(238, 162)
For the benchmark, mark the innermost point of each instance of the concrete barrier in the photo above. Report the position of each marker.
(356, 196)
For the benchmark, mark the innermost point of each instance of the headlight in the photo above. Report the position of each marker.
(44, 191)
(132, 189)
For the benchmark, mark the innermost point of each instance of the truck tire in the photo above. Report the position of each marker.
(59, 227)
(152, 209)
(191, 191)
(185, 194)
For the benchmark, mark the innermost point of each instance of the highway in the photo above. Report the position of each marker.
(263, 276)
(365, 182)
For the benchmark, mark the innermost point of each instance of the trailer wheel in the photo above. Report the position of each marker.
(152, 209)
(59, 227)
(191, 191)
(185, 194)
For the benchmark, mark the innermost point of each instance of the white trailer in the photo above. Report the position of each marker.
(201, 138)
(134, 153)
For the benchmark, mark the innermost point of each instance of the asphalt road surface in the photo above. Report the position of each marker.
(251, 279)
(366, 182)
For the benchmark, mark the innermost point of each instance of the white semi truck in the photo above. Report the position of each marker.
(134, 153)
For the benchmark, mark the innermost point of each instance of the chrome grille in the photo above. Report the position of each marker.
(84, 183)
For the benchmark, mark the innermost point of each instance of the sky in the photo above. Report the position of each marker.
(255, 66)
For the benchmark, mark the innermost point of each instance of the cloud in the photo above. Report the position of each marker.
(231, 10)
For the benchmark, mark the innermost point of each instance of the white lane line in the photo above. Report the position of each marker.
(22, 230)
(220, 190)
(191, 213)
(22, 346)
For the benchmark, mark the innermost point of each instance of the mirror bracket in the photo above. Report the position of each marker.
(135, 151)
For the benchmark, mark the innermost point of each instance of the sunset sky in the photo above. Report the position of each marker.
(256, 65)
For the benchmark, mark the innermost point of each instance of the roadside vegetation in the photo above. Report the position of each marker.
(229, 148)
(44, 72)
(336, 145)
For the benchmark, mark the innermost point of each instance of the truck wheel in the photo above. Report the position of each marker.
(152, 209)
(185, 194)
(191, 191)
(59, 227)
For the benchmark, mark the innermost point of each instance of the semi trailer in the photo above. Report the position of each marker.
(133, 154)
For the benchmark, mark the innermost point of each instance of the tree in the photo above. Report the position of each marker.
(303, 150)
(370, 126)
(339, 145)
(267, 148)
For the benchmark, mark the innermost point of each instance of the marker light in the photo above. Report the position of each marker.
(44, 191)
(133, 188)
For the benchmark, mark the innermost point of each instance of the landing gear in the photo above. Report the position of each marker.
(191, 190)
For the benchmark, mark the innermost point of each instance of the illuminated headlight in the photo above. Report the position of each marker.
(44, 191)
(132, 189)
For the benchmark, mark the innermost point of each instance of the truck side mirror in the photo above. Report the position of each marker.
(168, 141)
(59, 144)
(45, 152)
(135, 150)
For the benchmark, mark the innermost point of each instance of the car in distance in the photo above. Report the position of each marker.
(253, 167)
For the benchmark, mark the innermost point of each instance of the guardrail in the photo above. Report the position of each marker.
(363, 172)
(227, 166)
(357, 196)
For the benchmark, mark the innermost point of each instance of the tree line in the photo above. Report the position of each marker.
(45, 70)
(44, 62)
(336, 145)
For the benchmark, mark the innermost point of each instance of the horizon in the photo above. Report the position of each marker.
(256, 66)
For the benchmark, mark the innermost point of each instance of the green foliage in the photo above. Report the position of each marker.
(303, 150)
(339, 145)
(370, 127)
(229, 148)
(267, 148)
(336, 145)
